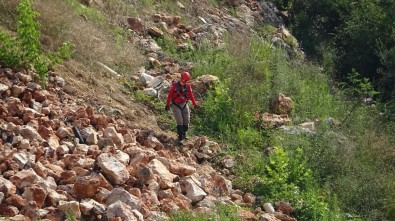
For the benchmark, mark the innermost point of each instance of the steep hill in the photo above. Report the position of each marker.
(85, 148)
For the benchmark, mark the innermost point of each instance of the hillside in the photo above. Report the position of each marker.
(125, 166)
(277, 135)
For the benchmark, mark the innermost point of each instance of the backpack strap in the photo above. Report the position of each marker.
(178, 87)
(180, 90)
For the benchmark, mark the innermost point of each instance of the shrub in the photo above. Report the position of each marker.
(25, 50)
(284, 177)
(9, 53)
(223, 212)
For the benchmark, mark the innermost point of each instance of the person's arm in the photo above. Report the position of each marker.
(190, 94)
(170, 94)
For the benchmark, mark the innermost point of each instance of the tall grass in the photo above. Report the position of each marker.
(347, 168)
(95, 33)
(24, 50)
(222, 212)
(342, 159)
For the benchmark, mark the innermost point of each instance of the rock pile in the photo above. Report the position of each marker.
(61, 159)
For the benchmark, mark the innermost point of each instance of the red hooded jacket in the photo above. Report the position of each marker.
(179, 97)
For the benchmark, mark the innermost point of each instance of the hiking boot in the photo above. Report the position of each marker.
(180, 132)
(179, 142)
(185, 129)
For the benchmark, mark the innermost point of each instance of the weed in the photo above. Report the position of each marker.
(25, 50)
(70, 216)
(223, 212)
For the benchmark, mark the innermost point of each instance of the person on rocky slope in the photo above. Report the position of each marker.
(179, 94)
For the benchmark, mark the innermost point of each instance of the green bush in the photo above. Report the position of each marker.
(218, 101)
(91, 13)
(285, 177)
(25, 50)
(223, 213)
(9, 52)
(251, 76)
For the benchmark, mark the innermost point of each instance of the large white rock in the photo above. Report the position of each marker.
(194, 192)
(166, 178)
(123, 196)
(122, 210)
(112, 168)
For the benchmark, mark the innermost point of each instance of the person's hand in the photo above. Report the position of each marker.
(196, 107)
(167, 108)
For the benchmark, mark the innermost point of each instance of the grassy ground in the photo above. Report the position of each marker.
(343, 168)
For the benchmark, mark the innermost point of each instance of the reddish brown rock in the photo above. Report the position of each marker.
(16, 200)
(86, 187)
(282, 104)
(136, 25)
(8, 211)
(284, 207)
(35, 193)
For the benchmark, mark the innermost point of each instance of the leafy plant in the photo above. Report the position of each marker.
(9, 53)
(28, 31)
(233, 11)
(223, 212)
(25, 50)
(86, 11)
(285, 177)
(167, 44)
(218, 3)
(153, 102)
(359, 86)
(217, 102)
(70, 216)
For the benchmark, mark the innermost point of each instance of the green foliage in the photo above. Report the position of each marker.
(28, 31)
(89, 12)
(223, 213)
(9, 53)
(329, 60)
(217, 102)
(233, 11)
(317, 177)
(25, 50)
(188, 216)
(373, 190)
(248, 137)
(251, 76)
(316, 205)
(283, 4)
(70, 216)
(158, 5)
(387, 86)
(62, 53)
(350, 157)
(389, 110)
(360, 33)
(242, 93)
(358, 86)
(357, 33)
(168, 45)
(216, 2)
(209, 60)
(227, 213)
(153, 103)
(284, 177)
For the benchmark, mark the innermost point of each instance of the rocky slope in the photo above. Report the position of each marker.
(62, 158)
